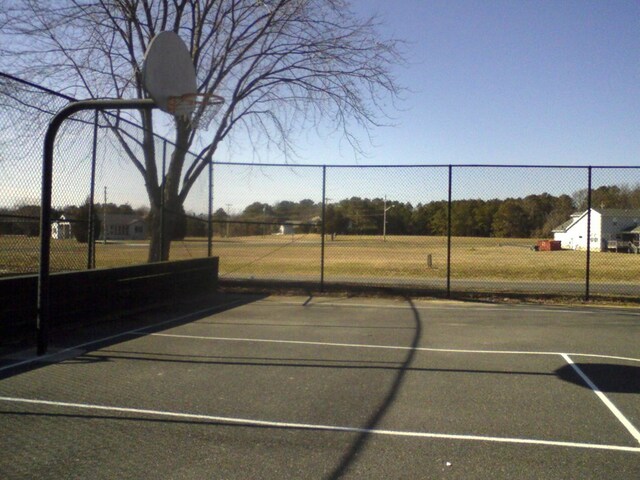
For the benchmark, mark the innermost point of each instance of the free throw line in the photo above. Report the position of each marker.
(383, 347)
(332, 428)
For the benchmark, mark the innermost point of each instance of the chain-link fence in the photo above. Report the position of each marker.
(100, 214)
(550, 230)
(469, 228)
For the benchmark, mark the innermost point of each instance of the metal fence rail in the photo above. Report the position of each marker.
(440, 228)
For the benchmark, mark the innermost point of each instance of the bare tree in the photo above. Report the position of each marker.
(281, 65)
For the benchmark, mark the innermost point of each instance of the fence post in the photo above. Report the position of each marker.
(209, 220)
(588, 269)
(449, 232)
(91, 249)
(323, 228)
(164, 163)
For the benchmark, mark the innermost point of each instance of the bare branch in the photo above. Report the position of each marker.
(281, 65)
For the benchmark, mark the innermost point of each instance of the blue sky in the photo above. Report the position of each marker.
(507, 82)
(498, 82)
(488, 82)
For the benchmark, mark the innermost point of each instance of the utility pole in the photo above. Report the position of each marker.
(264, 218)
(104, 218)
(384, 219)
(228, 217)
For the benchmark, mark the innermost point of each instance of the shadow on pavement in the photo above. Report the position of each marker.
(359, 444)
(67, 344)
(608, 377)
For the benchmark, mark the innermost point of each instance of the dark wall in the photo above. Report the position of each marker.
(89, 296)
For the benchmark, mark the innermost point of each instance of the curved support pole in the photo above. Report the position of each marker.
(43, 314)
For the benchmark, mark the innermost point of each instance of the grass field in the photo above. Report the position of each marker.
(347, 256)
(471, 258)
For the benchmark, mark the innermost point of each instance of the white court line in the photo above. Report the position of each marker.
(618, 414)
(449, 305)
(387, 347)
(488, 308)
(118, 335)
(231, 304)
(333, 428)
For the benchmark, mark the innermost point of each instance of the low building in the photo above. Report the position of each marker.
(610, 229)
(61, 229)
(288, 228)
(123, 226)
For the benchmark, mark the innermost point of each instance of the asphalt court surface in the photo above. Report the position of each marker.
(328, 387)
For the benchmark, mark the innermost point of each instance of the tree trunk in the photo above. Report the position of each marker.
(162, 225)
(165, 217)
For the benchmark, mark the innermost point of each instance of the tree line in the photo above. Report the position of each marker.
(533, 216)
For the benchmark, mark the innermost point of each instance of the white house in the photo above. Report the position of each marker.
(607, 227)
(123, 226)
(61, 229)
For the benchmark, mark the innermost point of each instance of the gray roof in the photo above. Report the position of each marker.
(122, 218)
(565, 226)
(605, 212)
(617, 212)
(635, 229)
(65, 219)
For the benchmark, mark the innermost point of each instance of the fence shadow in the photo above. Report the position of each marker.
(78, 340)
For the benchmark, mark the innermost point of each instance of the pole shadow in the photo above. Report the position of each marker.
(360, 443)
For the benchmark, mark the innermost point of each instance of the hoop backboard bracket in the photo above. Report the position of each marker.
(43, 313)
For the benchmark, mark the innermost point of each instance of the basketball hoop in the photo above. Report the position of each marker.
(170, 79)
(197, 108)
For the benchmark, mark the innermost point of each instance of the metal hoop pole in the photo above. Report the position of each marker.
(43, 310)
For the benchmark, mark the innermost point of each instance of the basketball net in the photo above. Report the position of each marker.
(196, 108)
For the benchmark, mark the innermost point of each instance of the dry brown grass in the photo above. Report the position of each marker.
(347, 256)
(472, 258)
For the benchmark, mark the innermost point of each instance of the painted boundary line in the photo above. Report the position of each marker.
(383, 347)
(250, 422)
(331, 304)
(136, 331)
(484, 308)
(444, 306)
(332, 428)
(618, 414)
